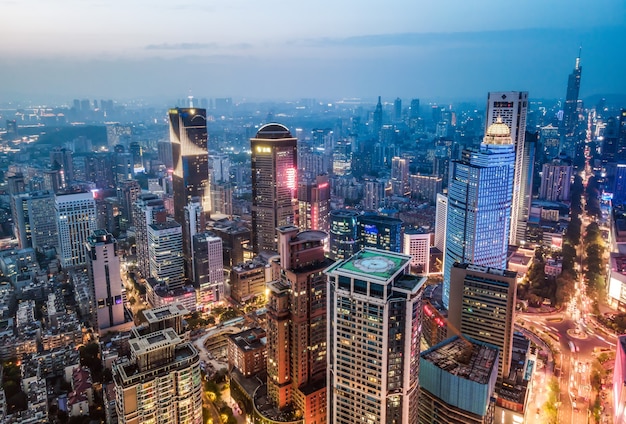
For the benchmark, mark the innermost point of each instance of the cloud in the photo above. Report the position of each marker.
(182, 46)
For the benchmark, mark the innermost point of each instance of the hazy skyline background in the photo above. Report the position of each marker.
(278, 49)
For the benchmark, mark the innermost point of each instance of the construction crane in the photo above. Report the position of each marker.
(440, 320)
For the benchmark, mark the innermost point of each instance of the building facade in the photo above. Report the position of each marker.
(483, 308)
(76, 220)
(296, 325)
(208, 269)
(190, 178)
(480, 204)
(103, 267)
(374, 311)
(511, 108)
(165, 254)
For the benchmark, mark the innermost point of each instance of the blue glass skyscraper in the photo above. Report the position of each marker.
(479, 204)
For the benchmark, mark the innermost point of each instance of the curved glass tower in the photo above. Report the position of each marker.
(479, 204)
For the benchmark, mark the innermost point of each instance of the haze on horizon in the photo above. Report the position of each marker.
(277, 49)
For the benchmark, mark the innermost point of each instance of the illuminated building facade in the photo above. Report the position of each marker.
(208, 268)
(511, 108)
(556, 180)
(479, 205)
(76, 220)
(344, 239)
(165, 254)
(296, 325)
(314, 204)
(483, 308)
(147, 209)
(274, 184)
(161, 383)
(380, 232)
(190, 178)
(374, 320)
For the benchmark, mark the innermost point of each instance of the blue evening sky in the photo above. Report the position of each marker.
(279, 49)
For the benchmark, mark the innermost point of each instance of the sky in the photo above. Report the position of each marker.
(279, 49)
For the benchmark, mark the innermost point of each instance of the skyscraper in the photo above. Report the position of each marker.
(103, 266)
(344, 238)
(314, 204)
(274, 184)
(147, 209)
(165, 254)
(479, 204)
(483, 307)
(188, 136)
(31, 218)
(374, 311)
(76, 220)
(511, 108)
(399, 176)
(208, 268)
(570, 111)
(296, 328)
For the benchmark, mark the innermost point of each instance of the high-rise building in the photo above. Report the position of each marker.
(399, 176)
(208, 269)
(127, 194)
(414, 112)
(457, 382)
(380, 232)
(426, 187)
(147, 209)
(61, 159)
(296, 325)
(416, 244)
(570, 110)
(165, 254)
(441, 216)
(274, 184)
(374, 310)
(31, 218)
(479, 204)
(161, 383)
(511, 107)
(397, 109)
(314, 204)
(483, 307)
(378, 118)
(103, 267)
(190, 155)
(556, 180)
(344, 235)
(76, 220)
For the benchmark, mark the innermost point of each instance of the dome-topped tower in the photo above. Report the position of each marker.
(498, 133)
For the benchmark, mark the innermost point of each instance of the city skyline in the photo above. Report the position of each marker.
(340, 50)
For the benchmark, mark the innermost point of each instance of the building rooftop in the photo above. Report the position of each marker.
(446, 356)
(249, 339)
(169, 310)
(373, 263)
(273, 131)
